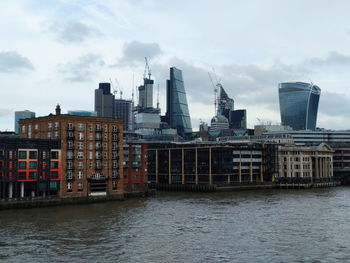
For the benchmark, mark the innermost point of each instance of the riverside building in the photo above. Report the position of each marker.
(223, 164)
(91, 152)
(29, 168)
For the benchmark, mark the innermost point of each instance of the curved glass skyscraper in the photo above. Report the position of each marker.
(299, 104)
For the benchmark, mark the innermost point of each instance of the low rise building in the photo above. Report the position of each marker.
(29, 168)
(305, 164)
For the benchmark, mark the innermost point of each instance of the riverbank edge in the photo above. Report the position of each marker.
(24, 204)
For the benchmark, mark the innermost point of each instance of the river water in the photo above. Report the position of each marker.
(259, 226)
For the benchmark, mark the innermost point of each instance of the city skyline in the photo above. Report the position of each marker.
(55, 56)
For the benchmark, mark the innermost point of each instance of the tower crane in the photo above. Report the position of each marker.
(215, 92)
(147, 69)
(120, 88)
(112, 85)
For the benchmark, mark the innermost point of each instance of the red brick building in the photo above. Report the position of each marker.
(91, 150)
(135, 167)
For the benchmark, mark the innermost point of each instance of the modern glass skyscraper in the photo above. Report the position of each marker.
(177, 115)
(299, 104)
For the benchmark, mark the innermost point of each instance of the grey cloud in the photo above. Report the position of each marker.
(334, 104)
(333, 58)
(12, 62)
(74, 31)
(246, 84)
(135, 52)
(83, 69)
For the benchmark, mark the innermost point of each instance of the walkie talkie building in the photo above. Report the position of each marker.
(299, 104)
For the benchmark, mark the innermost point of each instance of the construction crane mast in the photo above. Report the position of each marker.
(215, 93)
(147, 69)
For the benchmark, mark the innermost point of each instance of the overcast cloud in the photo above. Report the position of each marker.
(13, 62)
(74, 31)
(83, 69)
(70, 46)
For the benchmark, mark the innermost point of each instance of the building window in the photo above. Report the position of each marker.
(69, 175)
(22, 165)
(70, 126)
(69, 186)
(80, 175)
(36, 126)
(91, 146)
(49, 135)
(32, 165)
(49, 125)
(91, 156)
(80, 145)
(81, 136)
(105, 146)
(69, 165)
(105, 128)
(115, 128)
(32, 175)
(33, 155)
(80, 126)
(91, 127)
(80, 165)
(54, 165)
(56, 135)
(115, 164)
(105, 155)
(54, 155)
(114, 185)
(80, 186)
(54, 175)
(22, 155)
(80, 155)
(98, 127)
(23, 129)
(57, 125)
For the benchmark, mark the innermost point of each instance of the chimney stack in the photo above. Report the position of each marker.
(58, 109)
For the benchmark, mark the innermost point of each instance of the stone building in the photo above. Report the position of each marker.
(305, 164)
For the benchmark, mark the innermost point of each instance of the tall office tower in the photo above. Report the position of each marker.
(225, 103)
(299, 104)
(177, 115)
(146, 94)
(123, 109)
(238, 119)
(104, 101)
(19, 115)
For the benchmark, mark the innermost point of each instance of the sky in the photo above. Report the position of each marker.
(57, 51)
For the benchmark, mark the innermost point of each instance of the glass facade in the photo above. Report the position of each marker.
(177, 114)
(299, 104)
